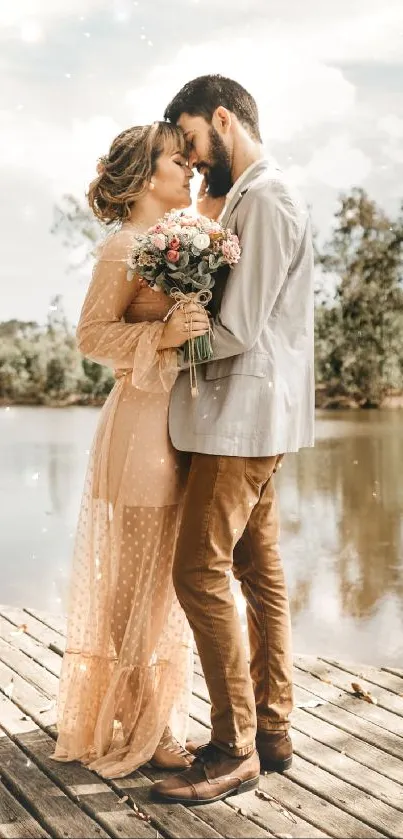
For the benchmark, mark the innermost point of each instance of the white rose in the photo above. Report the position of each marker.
(201, 241)
(159, 241)
(191, 232)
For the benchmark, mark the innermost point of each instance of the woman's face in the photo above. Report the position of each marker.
(171, 179)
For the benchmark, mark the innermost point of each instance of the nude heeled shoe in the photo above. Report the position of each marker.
(170, 755)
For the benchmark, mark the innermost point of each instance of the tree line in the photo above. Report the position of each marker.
(358, 318)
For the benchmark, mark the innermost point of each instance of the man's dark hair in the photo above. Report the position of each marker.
(202, 96)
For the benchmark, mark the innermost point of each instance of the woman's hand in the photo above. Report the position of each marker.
(177, 328)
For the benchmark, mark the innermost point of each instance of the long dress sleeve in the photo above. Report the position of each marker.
(104, 336)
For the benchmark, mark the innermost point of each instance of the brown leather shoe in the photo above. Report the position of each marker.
(275, 750)
(193, 747)
(214, 775)
(170, 755)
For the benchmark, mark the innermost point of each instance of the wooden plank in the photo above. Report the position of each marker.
(346, 769)
(34, 649)
(347, 744)
(36, 629)
(15, 822)
(375, 675)
(28, 669)
(357, 707)
(368, 732)
(284, 823)
(319, 811)
(200, 710)
(59, 815)
(53, 621)
(29, 699)
(369, 811)
(396, 671)
(388, 712)
(96, 798)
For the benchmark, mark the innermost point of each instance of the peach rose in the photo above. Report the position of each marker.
(173, 256)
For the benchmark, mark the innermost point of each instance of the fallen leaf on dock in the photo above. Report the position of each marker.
(138, 814)
(20, 630)
(311, 703)
(275, 804)
(123, 800)
(360, 693)
(9, 690)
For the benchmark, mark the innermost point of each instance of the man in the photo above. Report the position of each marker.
(256, 403)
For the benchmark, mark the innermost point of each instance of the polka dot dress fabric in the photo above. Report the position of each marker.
(127, 668)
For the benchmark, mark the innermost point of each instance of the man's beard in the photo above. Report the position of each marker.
(218, 174)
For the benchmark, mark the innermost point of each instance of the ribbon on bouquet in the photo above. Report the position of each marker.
(201, 298)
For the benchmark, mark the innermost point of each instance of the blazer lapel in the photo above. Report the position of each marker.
(264, 165)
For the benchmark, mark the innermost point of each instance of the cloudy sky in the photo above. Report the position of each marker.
(327, 75)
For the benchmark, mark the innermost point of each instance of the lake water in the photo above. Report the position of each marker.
(342, 524)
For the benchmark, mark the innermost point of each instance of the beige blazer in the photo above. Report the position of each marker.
(257, 395)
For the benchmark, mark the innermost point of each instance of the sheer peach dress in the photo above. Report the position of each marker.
(128, 664)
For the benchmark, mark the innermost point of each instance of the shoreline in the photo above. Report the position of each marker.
(323, 401)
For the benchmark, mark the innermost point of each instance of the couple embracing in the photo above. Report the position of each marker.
(180, 491)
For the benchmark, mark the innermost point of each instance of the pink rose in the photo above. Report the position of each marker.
(175, 243)
(173, 256)
(156, 229)
(231, 252)
(159, 241)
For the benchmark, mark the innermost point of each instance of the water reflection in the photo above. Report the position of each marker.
(342, 524)
(342, 516)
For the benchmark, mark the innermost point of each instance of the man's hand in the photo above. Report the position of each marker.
(206, 205)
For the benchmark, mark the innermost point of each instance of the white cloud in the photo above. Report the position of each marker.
(366, 32)
(338, 164)
(295, 92)
(347, 30)
(293, 89)
(17, 12)
(63, 157)
(31, 32)
(392, 125)
(392, 150)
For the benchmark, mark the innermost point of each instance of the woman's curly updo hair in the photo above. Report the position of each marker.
(125, 173)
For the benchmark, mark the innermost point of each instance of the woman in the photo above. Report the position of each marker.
(126, 677)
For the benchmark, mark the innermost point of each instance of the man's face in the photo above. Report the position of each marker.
(208, 153)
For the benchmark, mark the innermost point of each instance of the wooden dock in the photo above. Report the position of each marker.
(346, 779)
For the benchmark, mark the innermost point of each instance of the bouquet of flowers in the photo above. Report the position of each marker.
(180, 255)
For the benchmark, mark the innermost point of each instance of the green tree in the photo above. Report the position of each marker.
(79, 228)
(359, 338)
(41, 365)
